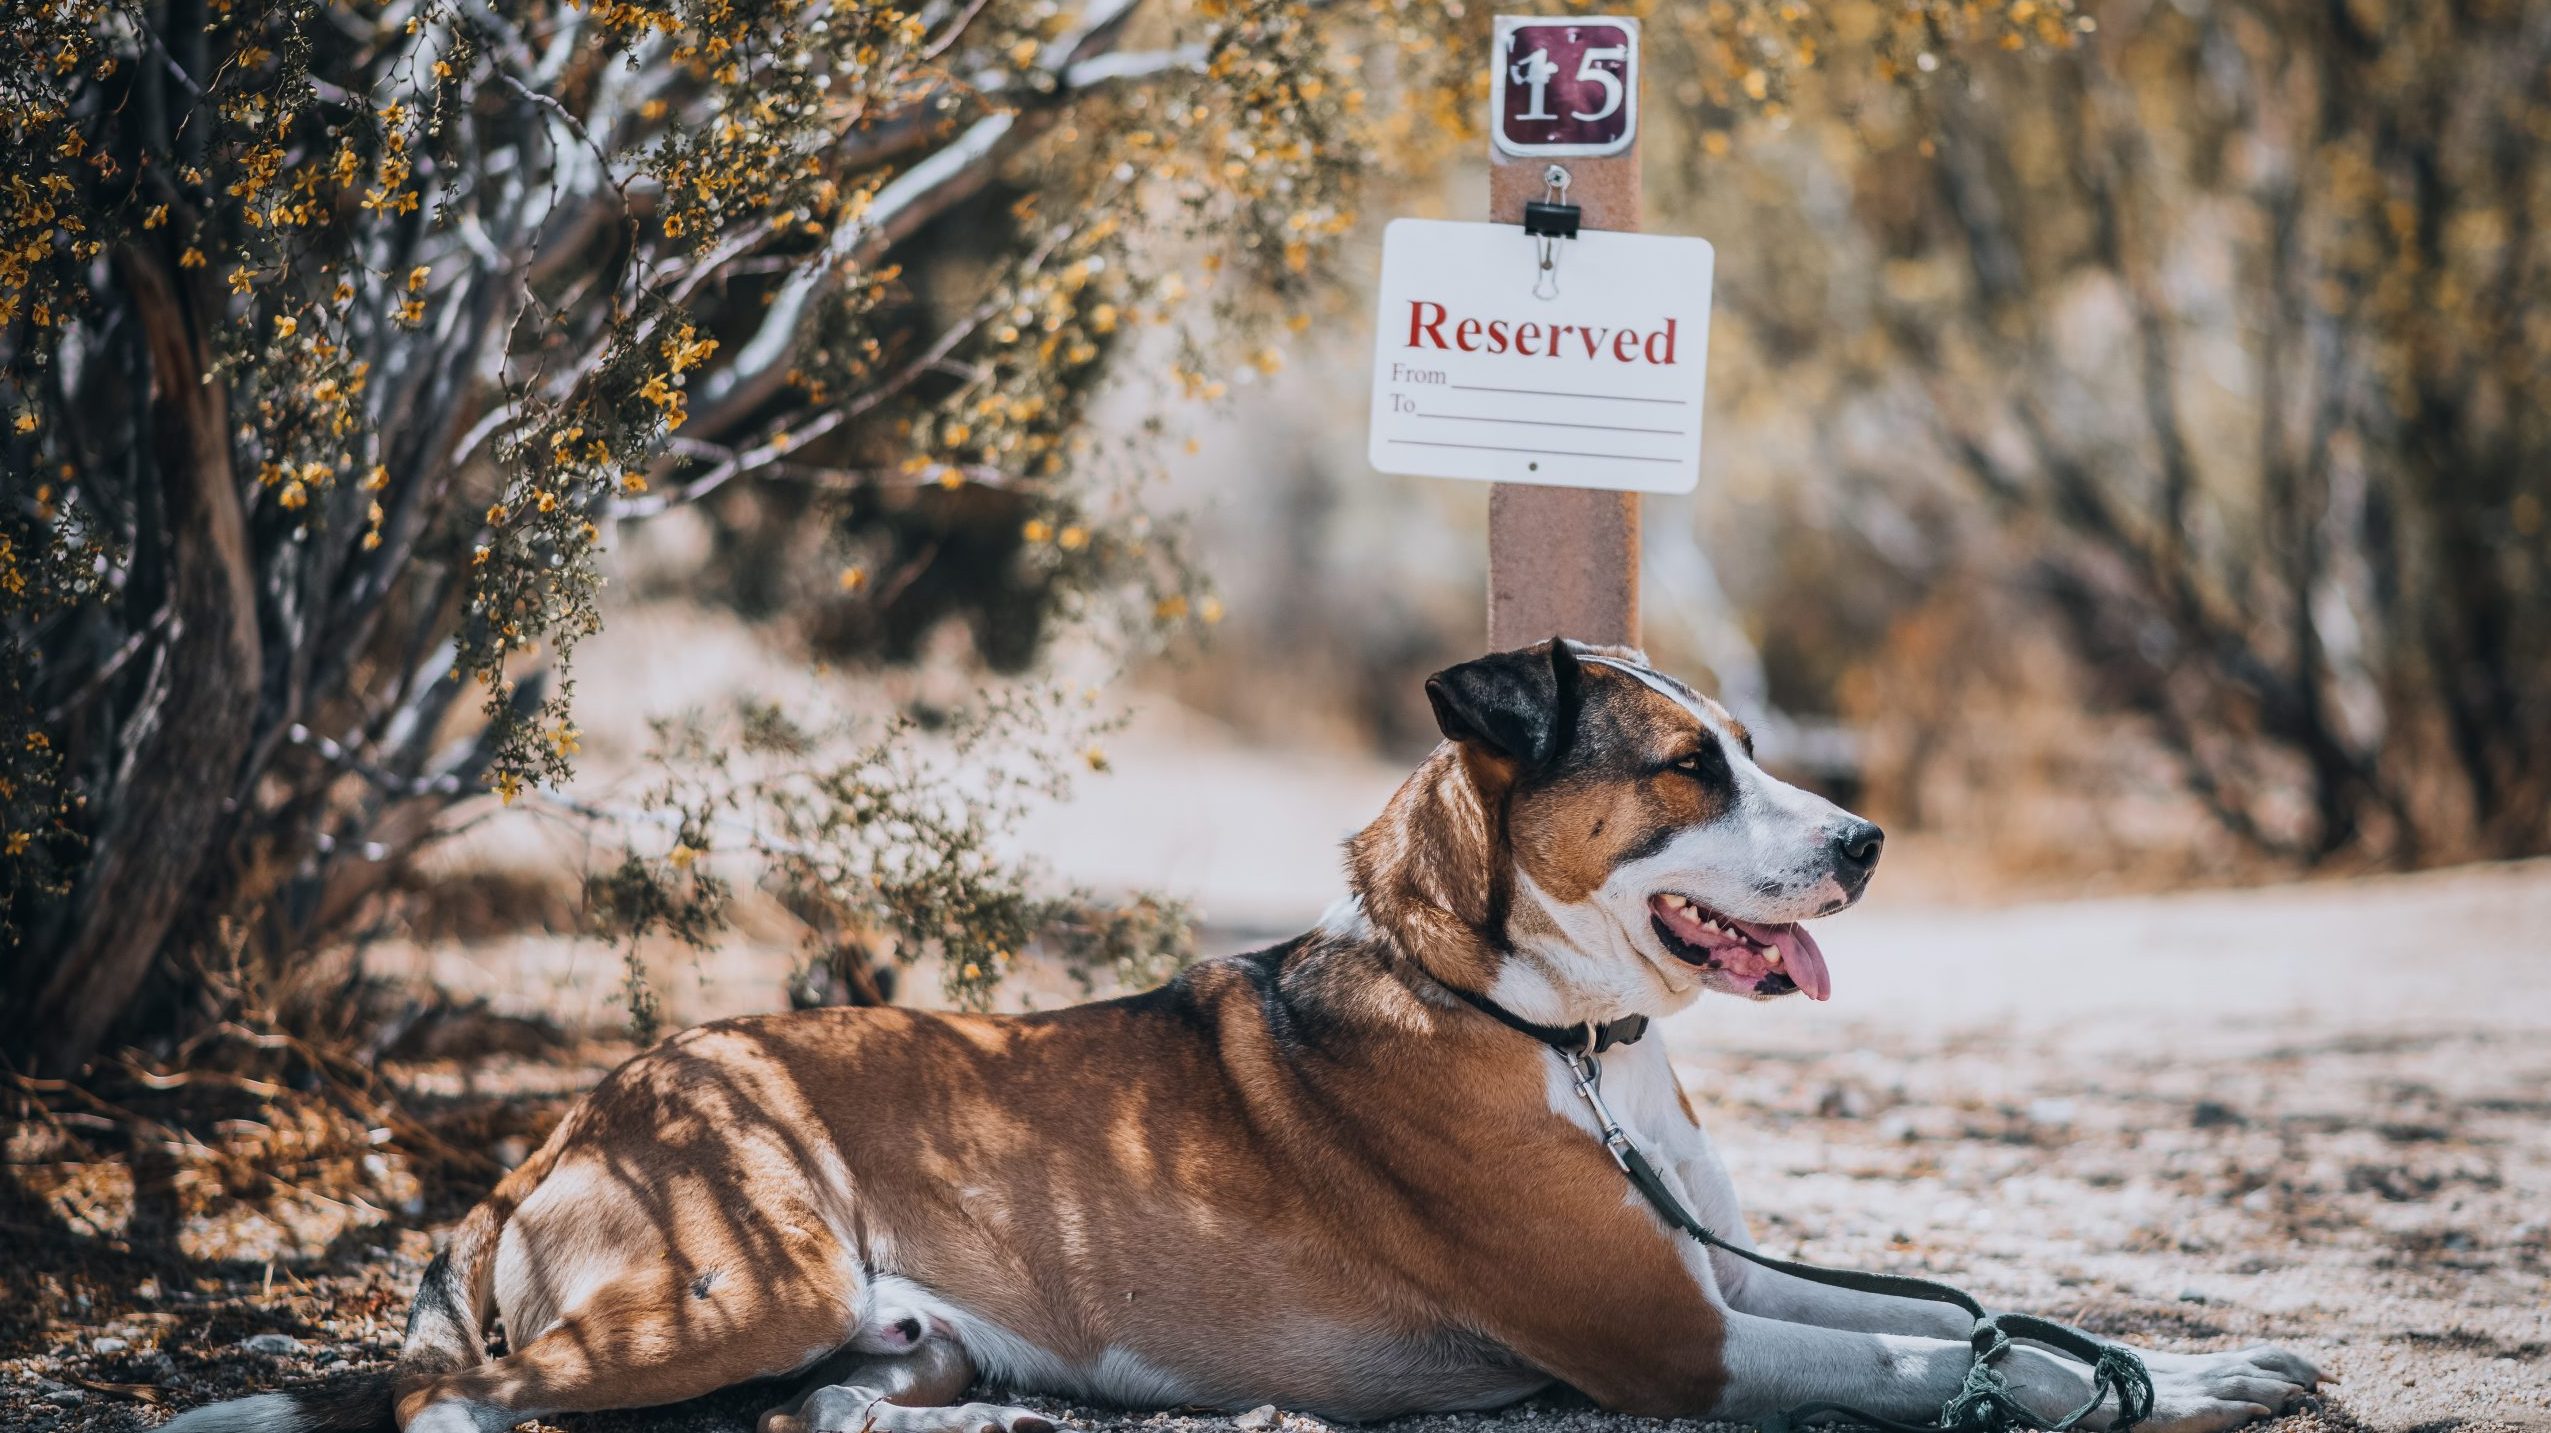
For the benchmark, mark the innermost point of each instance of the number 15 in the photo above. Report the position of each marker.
(1534, 70)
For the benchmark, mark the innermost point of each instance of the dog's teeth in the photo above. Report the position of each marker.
(1771, 956)
(1712, 927)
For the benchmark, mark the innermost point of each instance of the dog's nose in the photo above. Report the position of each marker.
(1856, 848)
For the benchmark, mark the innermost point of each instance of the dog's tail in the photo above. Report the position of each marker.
(446, 1330)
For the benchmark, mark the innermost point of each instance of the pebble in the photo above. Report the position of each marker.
(278, 1345)
(1261, 1417)
(108, 1345)
(66, 1398)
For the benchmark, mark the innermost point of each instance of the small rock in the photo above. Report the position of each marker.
(108, 1345)
(2055, 1112)
(1844, 1102)
(276, 1345)
(1257, 1419)
(2191, 1296)
(2213, 1114)
(66, 1398)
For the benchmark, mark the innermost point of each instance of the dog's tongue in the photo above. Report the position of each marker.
(1799, 956)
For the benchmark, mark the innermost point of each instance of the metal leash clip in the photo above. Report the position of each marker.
(1587, 1072)
(1550, 219)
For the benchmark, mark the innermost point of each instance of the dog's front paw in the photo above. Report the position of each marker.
(2209, 1392)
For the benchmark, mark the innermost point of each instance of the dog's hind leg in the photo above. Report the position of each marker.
(915, 1392)
(642, 1342)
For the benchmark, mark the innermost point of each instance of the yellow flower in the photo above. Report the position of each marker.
(1073, 538)
(683, 351)
(155, 218)
(26, 422)
(193, 258)
(377, 479)
(682, 855)
(1037, 530)
(508, 786)
(241, 281)
(293, 494)
(17, 843)
(416, 277)
(852, 579)
(286, 325)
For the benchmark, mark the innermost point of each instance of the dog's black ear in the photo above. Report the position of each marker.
(1521, 705)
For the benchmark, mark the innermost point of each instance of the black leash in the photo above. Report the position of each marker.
(1985, 1403)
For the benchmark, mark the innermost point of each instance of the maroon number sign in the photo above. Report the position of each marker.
(1566, 87)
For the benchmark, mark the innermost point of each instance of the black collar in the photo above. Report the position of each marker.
(1566, 1039)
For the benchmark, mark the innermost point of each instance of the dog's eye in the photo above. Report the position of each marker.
(1706, 764)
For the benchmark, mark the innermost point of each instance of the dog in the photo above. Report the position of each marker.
(1348, 1175)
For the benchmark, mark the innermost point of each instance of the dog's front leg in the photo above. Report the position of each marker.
(1879, 1347)
(1752, 1289)
(1774, 1367)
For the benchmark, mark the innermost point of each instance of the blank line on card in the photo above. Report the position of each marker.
(1556, 393)
(1538, 423)
(1534, 452)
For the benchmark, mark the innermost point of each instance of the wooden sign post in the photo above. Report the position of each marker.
(1564, 561)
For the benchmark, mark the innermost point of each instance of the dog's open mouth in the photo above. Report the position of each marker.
(1768, 959)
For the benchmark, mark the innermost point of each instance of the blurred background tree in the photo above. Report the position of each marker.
(2216, 341)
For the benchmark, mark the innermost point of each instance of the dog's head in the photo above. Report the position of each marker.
(1638, 854)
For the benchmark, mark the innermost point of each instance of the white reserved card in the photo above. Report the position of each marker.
(1590, 377)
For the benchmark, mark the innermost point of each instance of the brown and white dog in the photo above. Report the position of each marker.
(1331, 1176)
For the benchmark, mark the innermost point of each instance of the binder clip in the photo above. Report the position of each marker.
(1550, 219)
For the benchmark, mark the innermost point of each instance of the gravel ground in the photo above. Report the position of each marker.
(2245, 1137)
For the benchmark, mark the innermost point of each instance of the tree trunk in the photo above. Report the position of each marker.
(170, 777)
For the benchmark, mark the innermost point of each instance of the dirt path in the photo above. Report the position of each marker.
(2316, 1114)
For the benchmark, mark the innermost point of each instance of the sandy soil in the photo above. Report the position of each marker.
(2318, 1114)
